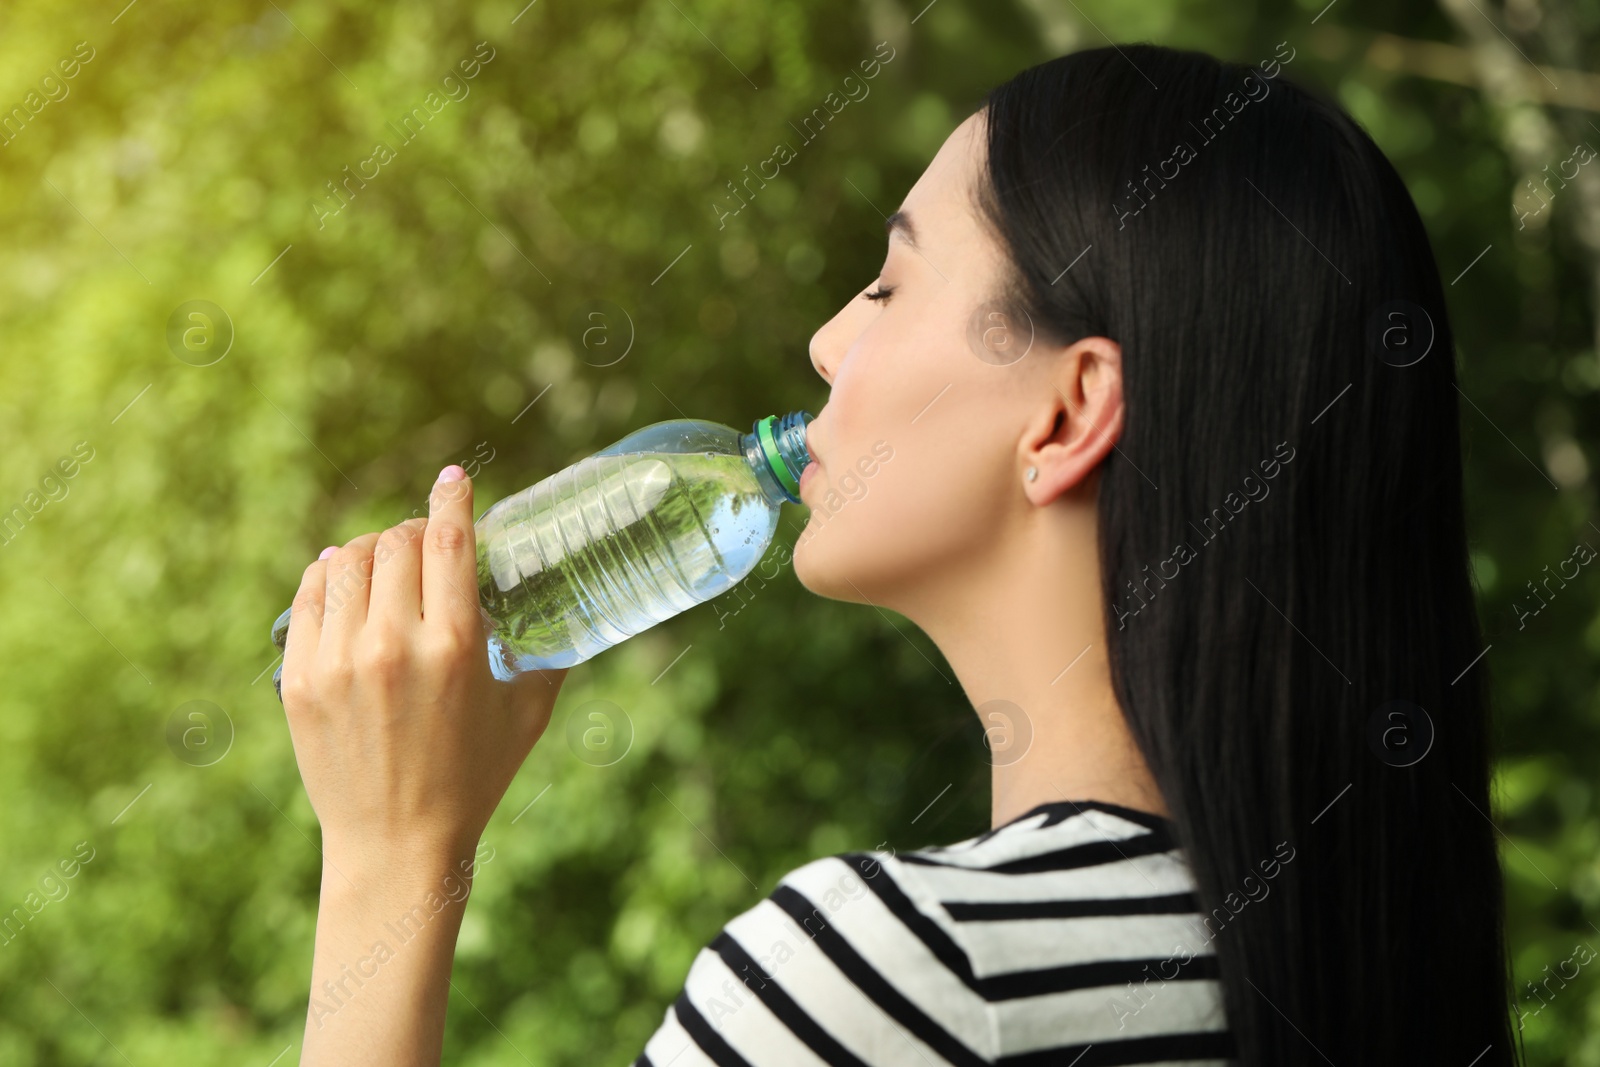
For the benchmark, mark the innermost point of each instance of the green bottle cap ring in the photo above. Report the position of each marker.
(769, 448)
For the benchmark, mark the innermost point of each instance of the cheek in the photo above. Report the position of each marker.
(904, 367)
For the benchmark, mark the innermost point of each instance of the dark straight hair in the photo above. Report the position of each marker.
(1288, 601)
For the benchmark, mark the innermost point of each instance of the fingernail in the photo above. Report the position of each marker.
(328, 551)
(452, 473)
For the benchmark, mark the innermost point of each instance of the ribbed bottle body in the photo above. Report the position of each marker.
(613, 545)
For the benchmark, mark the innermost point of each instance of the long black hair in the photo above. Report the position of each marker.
(1288, 601)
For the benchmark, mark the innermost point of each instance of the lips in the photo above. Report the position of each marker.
(813, 443)
(811, 453)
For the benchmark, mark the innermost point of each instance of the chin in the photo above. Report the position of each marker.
(825, 564)
(816, 564)
(805, 561)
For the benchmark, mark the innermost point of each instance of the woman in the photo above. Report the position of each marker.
(1161, 350)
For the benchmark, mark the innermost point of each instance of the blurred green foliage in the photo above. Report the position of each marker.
(416, 326)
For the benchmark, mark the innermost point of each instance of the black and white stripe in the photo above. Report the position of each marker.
(1069, 935)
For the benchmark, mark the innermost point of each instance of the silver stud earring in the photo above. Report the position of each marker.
(1033, 472)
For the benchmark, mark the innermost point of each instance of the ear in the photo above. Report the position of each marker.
(1078, 421)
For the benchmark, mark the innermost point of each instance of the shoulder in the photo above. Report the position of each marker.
(1081, 925)
(831, 967)
(1032, 939)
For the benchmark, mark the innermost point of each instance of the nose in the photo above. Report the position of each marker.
(828, 345)
(815, 351)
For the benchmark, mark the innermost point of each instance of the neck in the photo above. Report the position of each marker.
(1022, 629)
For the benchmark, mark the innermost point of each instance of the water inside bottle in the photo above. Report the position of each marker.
(611, 546)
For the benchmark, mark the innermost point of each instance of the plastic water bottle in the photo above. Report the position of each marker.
(668, 517)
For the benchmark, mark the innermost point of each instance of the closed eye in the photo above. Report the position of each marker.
(883, 292)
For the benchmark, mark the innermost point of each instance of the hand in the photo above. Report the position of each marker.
(406, 741)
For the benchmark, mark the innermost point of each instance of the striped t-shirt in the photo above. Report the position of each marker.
(1068, 936)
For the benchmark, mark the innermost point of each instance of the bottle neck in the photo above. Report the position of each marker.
(775, 449)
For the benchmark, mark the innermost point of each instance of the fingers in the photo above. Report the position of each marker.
(397, 575)
(349, 587)
(305, 626)
(450, 560)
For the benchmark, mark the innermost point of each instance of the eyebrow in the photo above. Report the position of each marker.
(901, 221)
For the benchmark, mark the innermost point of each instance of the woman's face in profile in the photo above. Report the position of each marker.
(917, 445)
